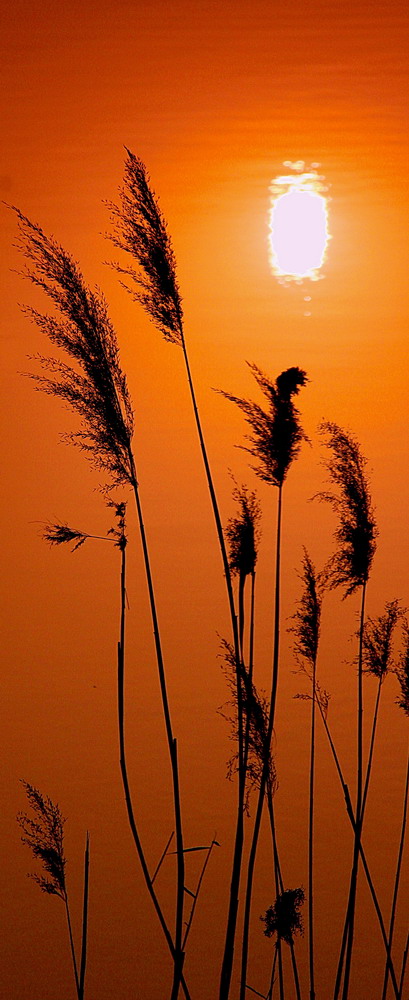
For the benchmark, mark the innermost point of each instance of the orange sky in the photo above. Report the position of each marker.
(214, 97)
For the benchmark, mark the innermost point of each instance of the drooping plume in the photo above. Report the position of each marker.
(276, 434)
(350, 565)
(140, 229)
(97, 387)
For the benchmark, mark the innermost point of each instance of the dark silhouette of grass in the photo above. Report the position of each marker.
(96, 389)
(44, 835)
(402, 673)
(306, 629)
(140, 230)
(275, 440)
(349, 568)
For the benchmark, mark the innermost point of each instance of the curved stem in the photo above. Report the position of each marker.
(277, 867)
(179, 957)
(74, 960)
(358, 811)
(264, 776)
(228, 955)
(83, 963)
(124, 774)
(310, 839)
(397, 876)
(371, 886)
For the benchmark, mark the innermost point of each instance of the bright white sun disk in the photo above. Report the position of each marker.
(298, 227)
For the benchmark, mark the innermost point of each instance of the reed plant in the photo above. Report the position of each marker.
(140, 230)
(94, 385)
(306, 629)
(96, 388)
(349, 568)
(44, 835)
(274, 443)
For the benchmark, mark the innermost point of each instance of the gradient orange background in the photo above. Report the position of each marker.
(214, 97)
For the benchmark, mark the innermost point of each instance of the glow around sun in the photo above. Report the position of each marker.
(298, 224)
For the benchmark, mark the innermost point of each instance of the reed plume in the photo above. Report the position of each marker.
(349, 568)
(243, 536)
(274, 442)
(140, 230)
(306, 629)
(350, 565)
(44, 835)
(97, 390)
(283, 917)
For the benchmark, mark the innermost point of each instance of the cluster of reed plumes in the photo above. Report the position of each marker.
(94, 385)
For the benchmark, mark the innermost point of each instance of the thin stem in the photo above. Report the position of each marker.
(124, 772)
(272, 978)
(310, 839)
(397, 877)
(264, 775)
(371, 886)
(179, 957)
(162, 857)
(83, 963)
(277, 867)
(228, 955)
(74, 960)
(403, 970)
(371, 749)
(198, 887)
(358, 811)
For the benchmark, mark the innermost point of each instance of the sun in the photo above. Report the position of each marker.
(298, 224)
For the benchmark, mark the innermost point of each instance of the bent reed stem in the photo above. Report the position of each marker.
(264, 775)
(125, 780)
(228, 955)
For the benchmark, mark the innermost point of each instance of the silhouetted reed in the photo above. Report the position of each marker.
(283, 918)
(402, 673)
(98, 393)
(275, 440)
(140, 230)
(306, 629)
(349, 568)
(44, 835)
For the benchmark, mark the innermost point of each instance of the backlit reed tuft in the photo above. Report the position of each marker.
(62, 534)
(97, 388)
(255, 712)
(283, 917)
(243, 533)
(402, 672)
(307, 619)
(45, 836)
(276, 433)
(350, 565)
(377, 640)
(140, 229)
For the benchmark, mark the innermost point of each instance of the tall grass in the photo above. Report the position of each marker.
(44, 835)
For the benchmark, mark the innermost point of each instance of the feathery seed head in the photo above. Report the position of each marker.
(276, 434)
(243, 533)
(255, 712)
(377, 640)
(307, 618)
(350, 566)
(402, 672)
(283, 917)
(44, 836)
(140, 229)
(97, 387)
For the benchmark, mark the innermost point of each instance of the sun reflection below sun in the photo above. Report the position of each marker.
(298, 224)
